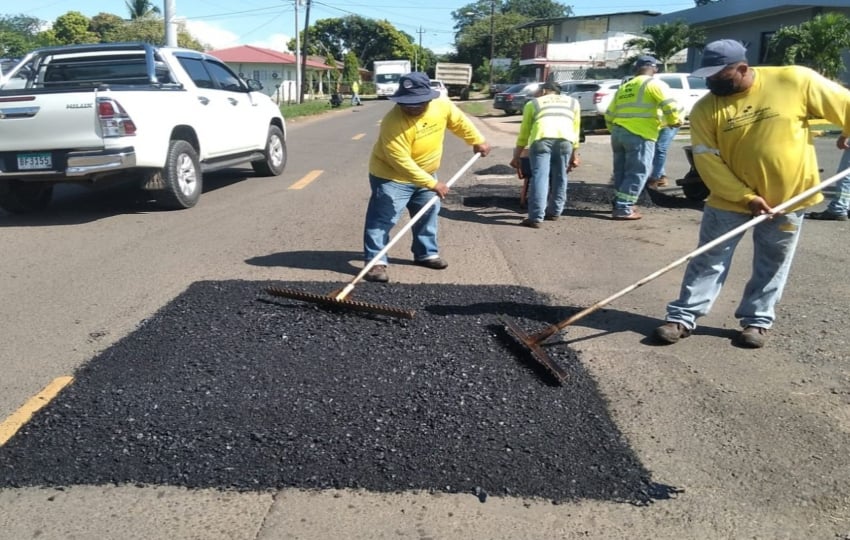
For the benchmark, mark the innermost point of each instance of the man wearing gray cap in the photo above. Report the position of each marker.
(634, 122)
(752, 148)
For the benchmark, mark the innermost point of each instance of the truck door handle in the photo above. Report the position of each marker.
(204, 100)
(233, 101)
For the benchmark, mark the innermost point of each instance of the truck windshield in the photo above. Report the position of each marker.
(387, 77)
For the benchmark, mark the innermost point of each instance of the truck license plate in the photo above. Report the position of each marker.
(35, 160)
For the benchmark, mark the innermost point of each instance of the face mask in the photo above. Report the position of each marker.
(722, 87)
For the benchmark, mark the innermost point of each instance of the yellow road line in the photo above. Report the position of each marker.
(309, 177)
(358, 136)
(11, 425)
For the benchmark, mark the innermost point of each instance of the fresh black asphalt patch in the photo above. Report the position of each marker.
(226, 387)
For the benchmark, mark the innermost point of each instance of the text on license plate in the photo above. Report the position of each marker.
(35, 160)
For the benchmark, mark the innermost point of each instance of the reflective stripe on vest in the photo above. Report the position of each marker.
(642, 108)
(560, 108)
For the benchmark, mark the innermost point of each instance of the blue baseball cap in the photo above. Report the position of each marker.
(646, 61)
(719, 54)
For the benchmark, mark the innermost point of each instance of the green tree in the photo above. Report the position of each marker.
(19, 34)
(817, 43)
(664, 40)
(473, 44)
(72, 28)
(107, 26)
(350, 68)
(368, 39)
(141, 8)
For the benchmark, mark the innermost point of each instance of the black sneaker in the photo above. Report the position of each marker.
(826, 215)
(434, 264)
(377, 274)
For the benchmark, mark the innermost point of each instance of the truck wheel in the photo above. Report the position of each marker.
(275, 153)
(18, 197)
(181, 176)
(464, 94)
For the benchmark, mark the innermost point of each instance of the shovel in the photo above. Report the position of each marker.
(340, 298)
(532, 342)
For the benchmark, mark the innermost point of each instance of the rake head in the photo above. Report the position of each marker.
(329, 301)
(532, 345)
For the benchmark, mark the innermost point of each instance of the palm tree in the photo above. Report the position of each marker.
(141, 8)
(666, 39)
(817, 43)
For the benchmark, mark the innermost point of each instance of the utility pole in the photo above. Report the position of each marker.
(419, 50)
(297, 58)
(170, 25)
(304, 82)
(492, 40)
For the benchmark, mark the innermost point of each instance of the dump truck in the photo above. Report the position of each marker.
(456, 77)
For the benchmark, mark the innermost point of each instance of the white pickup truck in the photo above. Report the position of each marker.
(161, 116)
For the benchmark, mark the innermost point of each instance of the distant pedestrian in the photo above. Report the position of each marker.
(355, 93)
(633, 120)
(839, 204)
(551, 129)
(753, 148)
(402, 170)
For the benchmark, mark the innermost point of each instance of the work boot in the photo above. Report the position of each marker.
(631, 216)
(435, 263)
(672, 332)
(654, 183)
(377, 274)
(529, 223)
(551, 217)
(753, 337)
(826, 215)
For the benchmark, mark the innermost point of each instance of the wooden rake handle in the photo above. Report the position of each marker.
(427, 206)
(547, 333)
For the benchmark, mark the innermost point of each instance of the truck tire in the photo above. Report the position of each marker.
(464, 94)
(182, 177)
(275, 153)
(18, 197)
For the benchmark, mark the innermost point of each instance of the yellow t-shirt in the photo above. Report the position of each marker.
(758, 143)
(409, 149)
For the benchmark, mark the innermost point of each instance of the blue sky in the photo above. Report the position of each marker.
(271, 23)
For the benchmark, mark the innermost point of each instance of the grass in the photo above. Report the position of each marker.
(475, 108)
(308, 108)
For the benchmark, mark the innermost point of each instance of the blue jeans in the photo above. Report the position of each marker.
(355, 99)
(659, 159)
(388, 201)
(840, 202)
(774, 243)
(548, 195)
(632, 160)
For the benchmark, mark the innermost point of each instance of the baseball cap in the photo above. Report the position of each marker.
(646, 60)
(414, 88)
(719, 54)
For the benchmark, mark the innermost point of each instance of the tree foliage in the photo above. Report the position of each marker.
(817, 43)
(18, 34)
(664, 40)
(73, 28)
(141, 8)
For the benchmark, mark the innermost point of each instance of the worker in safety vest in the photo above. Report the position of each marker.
(551, 129)
(633, 120)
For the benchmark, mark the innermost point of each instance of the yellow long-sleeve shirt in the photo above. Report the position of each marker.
(550, 116)
(409, 149)
(758, 143)
(636, 106)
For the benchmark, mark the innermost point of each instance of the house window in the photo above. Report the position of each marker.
(766, 56)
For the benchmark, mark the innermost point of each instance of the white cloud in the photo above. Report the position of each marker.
(215, 37)
(275, 42)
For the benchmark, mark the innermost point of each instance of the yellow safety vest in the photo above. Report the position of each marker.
(552, 116)
(636, 104)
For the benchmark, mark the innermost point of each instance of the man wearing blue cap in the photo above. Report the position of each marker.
(753, 149)
(402, 169)
(634, 121)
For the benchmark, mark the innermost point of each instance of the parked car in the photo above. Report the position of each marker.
(438, 85)
(514, 98)
(593, 97)
(685, 88)
(495, 88)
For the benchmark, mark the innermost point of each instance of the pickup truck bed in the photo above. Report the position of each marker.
(115, 112)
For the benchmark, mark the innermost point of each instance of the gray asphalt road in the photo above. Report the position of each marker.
(756, 440)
